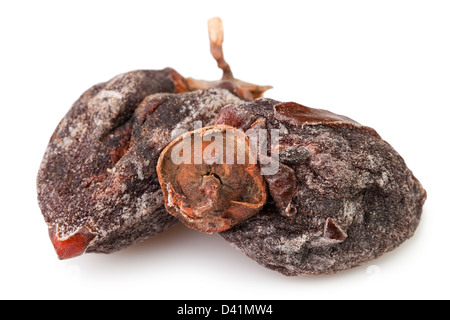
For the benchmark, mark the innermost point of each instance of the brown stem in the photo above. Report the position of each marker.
(242, 89)
(215, 30)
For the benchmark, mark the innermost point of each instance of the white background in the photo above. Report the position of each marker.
(385, 64)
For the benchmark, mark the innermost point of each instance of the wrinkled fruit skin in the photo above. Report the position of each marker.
(97, 185)
(355, 197)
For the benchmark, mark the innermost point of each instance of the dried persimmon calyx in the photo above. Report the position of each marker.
(210, 179)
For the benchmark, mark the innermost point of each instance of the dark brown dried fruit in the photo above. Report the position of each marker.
(97, 184)
(355, 197)
(80, 190)
(98, 174)
(341, 195)
(216, 191)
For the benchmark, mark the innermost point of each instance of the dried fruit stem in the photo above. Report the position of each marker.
(215, 30)
(240, 88)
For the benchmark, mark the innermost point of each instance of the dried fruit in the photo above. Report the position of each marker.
(340, 195)
(354, 197)
(101, 178)
(86, 185)
(97, 185)
(212, 185)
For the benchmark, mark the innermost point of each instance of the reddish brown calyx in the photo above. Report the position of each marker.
(240, 88)
(210, 179)
(73, 245)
